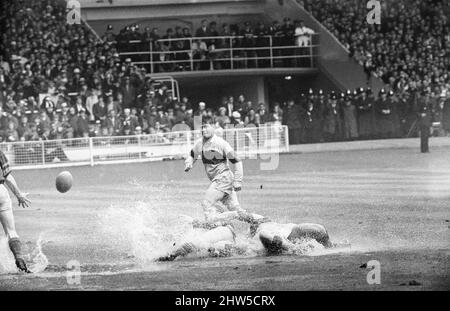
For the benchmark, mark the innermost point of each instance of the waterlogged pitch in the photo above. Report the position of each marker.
(391, 205)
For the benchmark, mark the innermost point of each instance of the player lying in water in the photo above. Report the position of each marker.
(204, 238)
(215, 153)
(276, 238)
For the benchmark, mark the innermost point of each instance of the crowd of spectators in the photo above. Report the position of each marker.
(410, 48)
(59, 81)
(359, 114)
(175, 50)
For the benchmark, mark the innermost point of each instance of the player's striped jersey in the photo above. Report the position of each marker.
(5, 168)
(215, 154)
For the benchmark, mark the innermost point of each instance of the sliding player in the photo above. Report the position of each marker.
(277, 237)
(215, 153)
(204, 236)
(6, 214)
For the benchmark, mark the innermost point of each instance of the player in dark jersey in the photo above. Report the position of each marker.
(6, 213)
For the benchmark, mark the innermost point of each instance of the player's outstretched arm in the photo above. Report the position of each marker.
(189, 163)
(192, 156)
(10, 181)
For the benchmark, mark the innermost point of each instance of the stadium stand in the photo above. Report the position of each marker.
(62, 81)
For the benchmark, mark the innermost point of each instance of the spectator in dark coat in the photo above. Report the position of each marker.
(292, 120)
(446, 115)
(203, 31)
(424, 122)
(366, 116)
(384, 116)
(312, 120)
(349, 115)
(129, 94)
(333, 122)
(100, 111)
(83, 124)
(112, 123)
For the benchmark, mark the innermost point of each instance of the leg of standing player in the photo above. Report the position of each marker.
(231, 201)
(8, 224)
(212, 197)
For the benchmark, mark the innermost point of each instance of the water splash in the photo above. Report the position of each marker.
(39, 261)
(33, 255)
(143, 231)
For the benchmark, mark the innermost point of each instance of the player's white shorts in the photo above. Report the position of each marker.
(223, 182)
(5, 200)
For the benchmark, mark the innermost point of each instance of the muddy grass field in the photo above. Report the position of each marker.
(393, 206)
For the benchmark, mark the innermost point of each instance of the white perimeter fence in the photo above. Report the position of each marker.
(247, 141)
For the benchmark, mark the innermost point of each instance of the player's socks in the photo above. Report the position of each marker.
(16, 248)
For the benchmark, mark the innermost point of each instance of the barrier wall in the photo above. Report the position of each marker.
(248, 142)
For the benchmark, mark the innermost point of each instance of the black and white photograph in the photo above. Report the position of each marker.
(203, 147)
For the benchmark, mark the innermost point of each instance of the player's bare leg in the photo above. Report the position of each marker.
(7, 221)
(232, 203)
(212, 197)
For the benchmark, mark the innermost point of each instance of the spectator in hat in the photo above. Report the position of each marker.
(332, 120)
(236, 119)
(73, 121)
(163, 120)
(312, 123)
(128, 121)
(91, 100)
(189, 119)
(292, 120)
(129, 93)
(445, 103)
(366, 116)
(11, 134)
(251, 118)
(115, 105)
(222, 119)
(99, 110)
(303, 39)
(109, 35)
(302, 34)
(247, 43)
(79, 105)
(23, 129)
(349, 117)
(264, 116)
(424, 115)
(112, 123)
(202, 31)
(246, 107)
(384, 116)
(261, 33)
(201, 111)
(82, 124)
(229, 106)
(287, 40)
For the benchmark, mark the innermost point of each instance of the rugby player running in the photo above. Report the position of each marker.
(216, 153)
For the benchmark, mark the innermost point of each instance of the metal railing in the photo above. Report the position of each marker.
(247, 141)
(223, 52)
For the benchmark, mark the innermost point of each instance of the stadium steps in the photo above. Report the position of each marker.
(334, 61)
